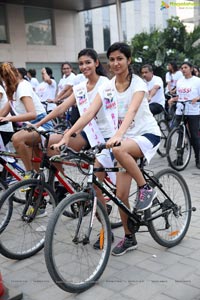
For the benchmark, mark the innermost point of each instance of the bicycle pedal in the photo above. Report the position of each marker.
(25, 190)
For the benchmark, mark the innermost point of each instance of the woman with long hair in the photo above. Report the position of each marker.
(25, 107)
(138, 133)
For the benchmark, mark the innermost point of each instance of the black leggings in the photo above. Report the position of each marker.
(193, 122)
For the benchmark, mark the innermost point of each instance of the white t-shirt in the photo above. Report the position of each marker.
(144, 122)
(34, 82)
(101, 120)
(173, 78)
(47, 91)
(24, 88)
(6, 127)
(188, 89)
(65, 81)
(159, 97)
(79, 78)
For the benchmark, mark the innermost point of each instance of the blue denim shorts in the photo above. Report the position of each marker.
(47, 126)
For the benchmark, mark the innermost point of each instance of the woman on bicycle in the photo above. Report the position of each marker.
(137, 132)
(25, 107)
(188, 88)
(83, 94)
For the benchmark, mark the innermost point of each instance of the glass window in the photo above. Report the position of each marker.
(3, 31)
(39, 26)
(124, 22)
(106, 27)
(88, 29)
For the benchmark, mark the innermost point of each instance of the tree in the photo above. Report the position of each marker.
(160, 47)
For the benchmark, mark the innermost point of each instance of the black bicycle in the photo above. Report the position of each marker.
(78, 220)
(179, 143)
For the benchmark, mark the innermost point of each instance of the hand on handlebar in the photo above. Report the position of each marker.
(114, 141)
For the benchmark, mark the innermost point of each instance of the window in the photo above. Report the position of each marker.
(124, 32)
(3, 31)
(39, 26)
(106, 27)
(88, 29)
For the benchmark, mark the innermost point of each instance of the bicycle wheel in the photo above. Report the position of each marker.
(71, 260)
(4, 217)
(164, 128)
(113, 210)
(23, 233)
(178, 148)
(168, 230)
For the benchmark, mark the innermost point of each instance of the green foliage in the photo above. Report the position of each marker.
(158, 48)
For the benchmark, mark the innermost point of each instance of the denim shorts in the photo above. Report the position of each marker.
(47, 126)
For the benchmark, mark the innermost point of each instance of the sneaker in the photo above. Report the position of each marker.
(97, 243)
(41, 213)
(124, 246)
(146, 198)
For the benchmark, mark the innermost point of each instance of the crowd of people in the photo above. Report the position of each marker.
(119, 111)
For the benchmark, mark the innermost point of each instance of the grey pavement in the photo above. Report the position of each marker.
(150, 272)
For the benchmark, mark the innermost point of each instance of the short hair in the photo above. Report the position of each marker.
(148, 66)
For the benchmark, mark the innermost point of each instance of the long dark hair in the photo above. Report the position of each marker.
(93, 54)
(49, 72)
(126, 50)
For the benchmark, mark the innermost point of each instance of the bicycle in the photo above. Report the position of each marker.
(22, 234)
(179, 143)
(72, 262)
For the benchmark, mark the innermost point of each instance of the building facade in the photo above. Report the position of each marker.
(38, 37)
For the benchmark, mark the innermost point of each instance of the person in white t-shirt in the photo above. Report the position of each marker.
(155, 87)
(31, 73)
(46, 90)
(65, 84)
(26, 107)
(172, 76)
(6, 130)
(138, 132)
(188, 88)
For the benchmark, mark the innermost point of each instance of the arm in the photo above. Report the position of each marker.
(5, 110)
(129, 117)
(66, 92)
(153, 91)
(82, 121)
(60, 109)
(46, 77)
(28, 116)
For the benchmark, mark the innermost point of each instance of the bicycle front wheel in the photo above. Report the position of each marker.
(71, 259)
(170, 228)
(178, 148)
(22, 236)
(164, 129)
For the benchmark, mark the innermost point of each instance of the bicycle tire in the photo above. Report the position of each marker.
(114, 216)
(73, 265)
(170, 229)
(4, 217)
(178, 157)
(20, 238)
(164, 129)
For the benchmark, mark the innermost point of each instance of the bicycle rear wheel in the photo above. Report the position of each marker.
(22, 236)
(164, 128)
(71, 260)
(114, 216)
(178, 148)
(168, 230)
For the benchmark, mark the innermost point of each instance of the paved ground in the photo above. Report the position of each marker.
(150, 272)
